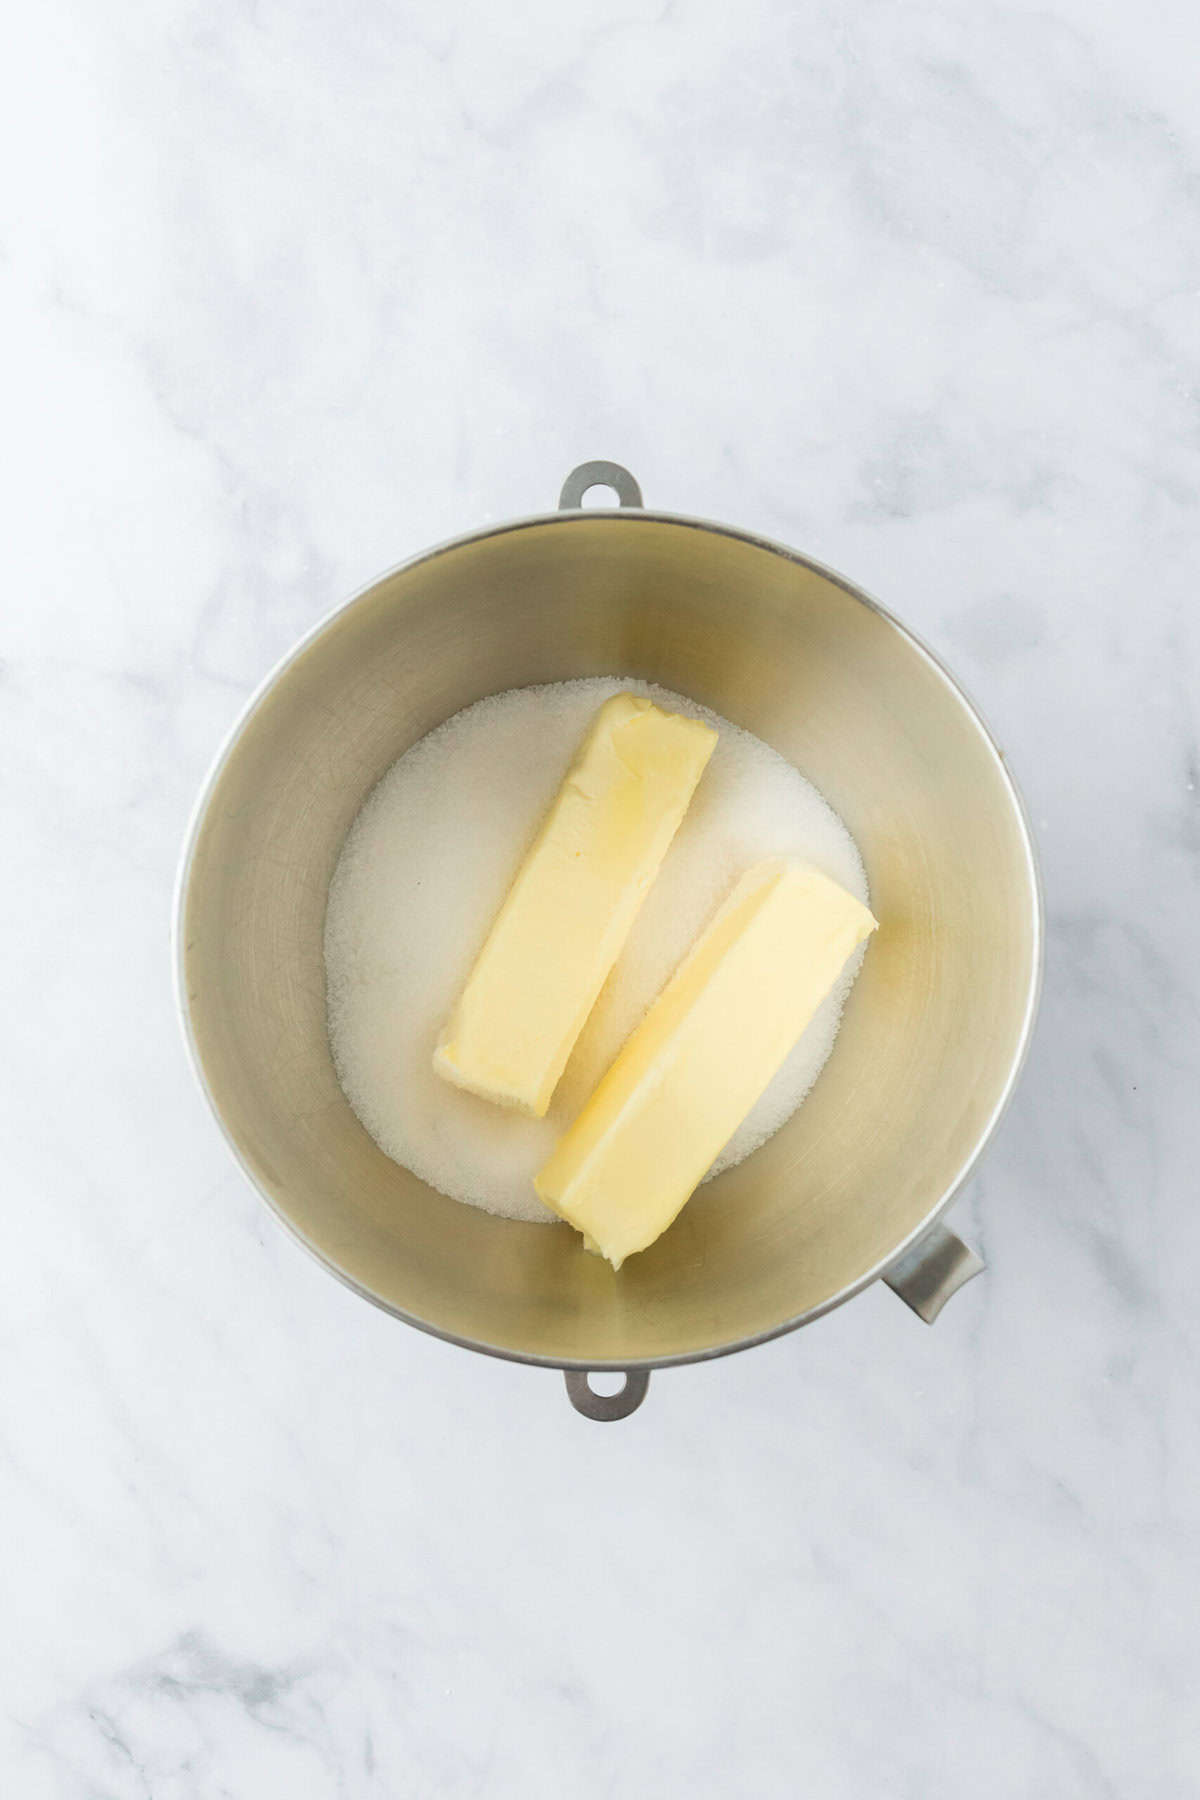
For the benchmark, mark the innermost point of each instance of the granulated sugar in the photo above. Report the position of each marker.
(424, 869)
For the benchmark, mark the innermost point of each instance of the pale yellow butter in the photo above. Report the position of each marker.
(701, 1057)
(573, 901)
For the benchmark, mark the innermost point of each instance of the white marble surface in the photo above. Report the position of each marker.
(292, 290)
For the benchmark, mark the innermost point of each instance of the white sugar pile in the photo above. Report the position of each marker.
(424, 869)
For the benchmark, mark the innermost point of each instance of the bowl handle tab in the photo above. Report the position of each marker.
(586, 1400)
(599, 474)
(935, 1267)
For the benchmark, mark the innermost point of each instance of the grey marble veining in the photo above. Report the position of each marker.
(292, 291)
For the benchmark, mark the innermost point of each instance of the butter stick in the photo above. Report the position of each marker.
(572, 903)
(702, 1056)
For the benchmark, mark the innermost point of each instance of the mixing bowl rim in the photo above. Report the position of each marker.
(635, 518)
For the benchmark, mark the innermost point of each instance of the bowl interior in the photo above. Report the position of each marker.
(931, 1037)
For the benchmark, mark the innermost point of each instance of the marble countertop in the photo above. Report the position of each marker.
(293, 291)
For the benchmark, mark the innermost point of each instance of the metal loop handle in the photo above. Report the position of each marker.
(935, 1268)
(599, 474)
(586, 1400)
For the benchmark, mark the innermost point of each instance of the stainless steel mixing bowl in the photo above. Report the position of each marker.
(933, 1036)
